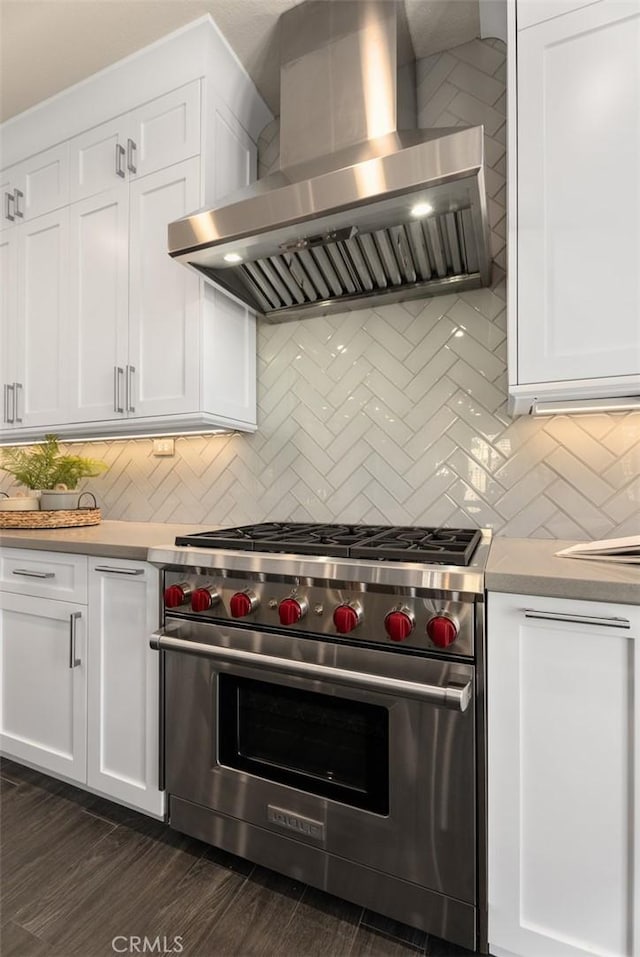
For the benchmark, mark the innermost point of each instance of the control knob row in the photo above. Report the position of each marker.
(398, 624)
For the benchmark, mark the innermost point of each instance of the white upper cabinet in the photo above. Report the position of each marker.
(33, 321)
(33, 298)
(8, 322)
(133, 342)
(164, 131)
(152, 137)
(128, 298)
(41, 361)
(575, 229)
(97, 159)
(36, 186)
(99, 304)
(164, 298)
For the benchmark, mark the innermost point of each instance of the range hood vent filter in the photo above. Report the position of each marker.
(413, 258)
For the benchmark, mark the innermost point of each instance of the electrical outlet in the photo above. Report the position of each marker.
(164, 447)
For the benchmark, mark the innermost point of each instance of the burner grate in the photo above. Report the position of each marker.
(448, 546)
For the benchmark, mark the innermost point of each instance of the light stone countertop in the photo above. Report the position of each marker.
(516, 565)
(109, 539)
(528, 566)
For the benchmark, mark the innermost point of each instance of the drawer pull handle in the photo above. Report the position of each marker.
(17, 386)
(577, 619)
(10, 416)
(129, 387)
(118, 373)
(119, 158)
(28, 574)
(73, 618)
(131, 156)
(9, 199)
(119, 571)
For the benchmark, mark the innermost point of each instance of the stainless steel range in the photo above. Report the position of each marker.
(323, 706)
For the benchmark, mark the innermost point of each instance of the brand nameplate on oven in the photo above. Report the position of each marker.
(294, 822)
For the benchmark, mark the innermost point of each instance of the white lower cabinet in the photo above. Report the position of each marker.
(123, 731)
(79, 683)
(564, 777)
(44, 683)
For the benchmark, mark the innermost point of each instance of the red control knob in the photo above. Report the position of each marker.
(176, 595)
(346, 618)
(442, 631)
(203, 599)
(242, 604)
(399, 625)
(290, 611)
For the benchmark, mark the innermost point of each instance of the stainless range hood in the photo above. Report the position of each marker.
(365, 209)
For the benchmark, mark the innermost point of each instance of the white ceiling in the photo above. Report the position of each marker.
(47, 45)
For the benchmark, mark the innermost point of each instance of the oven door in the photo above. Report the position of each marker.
(365, 754)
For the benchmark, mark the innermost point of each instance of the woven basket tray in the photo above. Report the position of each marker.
(60, 518)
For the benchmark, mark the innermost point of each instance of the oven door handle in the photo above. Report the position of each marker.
(454, 696)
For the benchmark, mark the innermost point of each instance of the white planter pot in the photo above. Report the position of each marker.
(52, 499)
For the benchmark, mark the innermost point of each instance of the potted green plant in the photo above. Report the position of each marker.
(46, 469)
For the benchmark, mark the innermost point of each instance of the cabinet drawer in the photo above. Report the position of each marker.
(44, 574)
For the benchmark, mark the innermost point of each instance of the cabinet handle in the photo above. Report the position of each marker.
(577, 619)
(118, 372)
(131, 156)
(17, 390)
(9, 198)
(18, 194)
(28, 574)
(130, 406)
(5, 403)
(119, 571)
(119, 156)
(10, 416)
(73, 618)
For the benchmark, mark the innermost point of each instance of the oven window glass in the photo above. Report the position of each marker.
(318, 743)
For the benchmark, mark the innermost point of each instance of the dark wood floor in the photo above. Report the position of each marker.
(78, 872)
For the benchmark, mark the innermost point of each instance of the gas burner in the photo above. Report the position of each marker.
(446, 546)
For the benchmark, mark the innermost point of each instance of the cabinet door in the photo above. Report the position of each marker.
(97, 159)
(99, 290)
(41, 357)
(164, 297)
(164, 131)
(123, 716)
(41, 183)
(8, 321)
(579, 195)
(564, 753)
(43, 683)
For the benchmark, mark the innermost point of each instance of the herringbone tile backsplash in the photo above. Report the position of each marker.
(398, 414)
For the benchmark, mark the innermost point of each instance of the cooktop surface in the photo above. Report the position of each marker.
(447, 546)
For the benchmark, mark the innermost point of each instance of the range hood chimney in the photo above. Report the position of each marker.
(365, 209)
